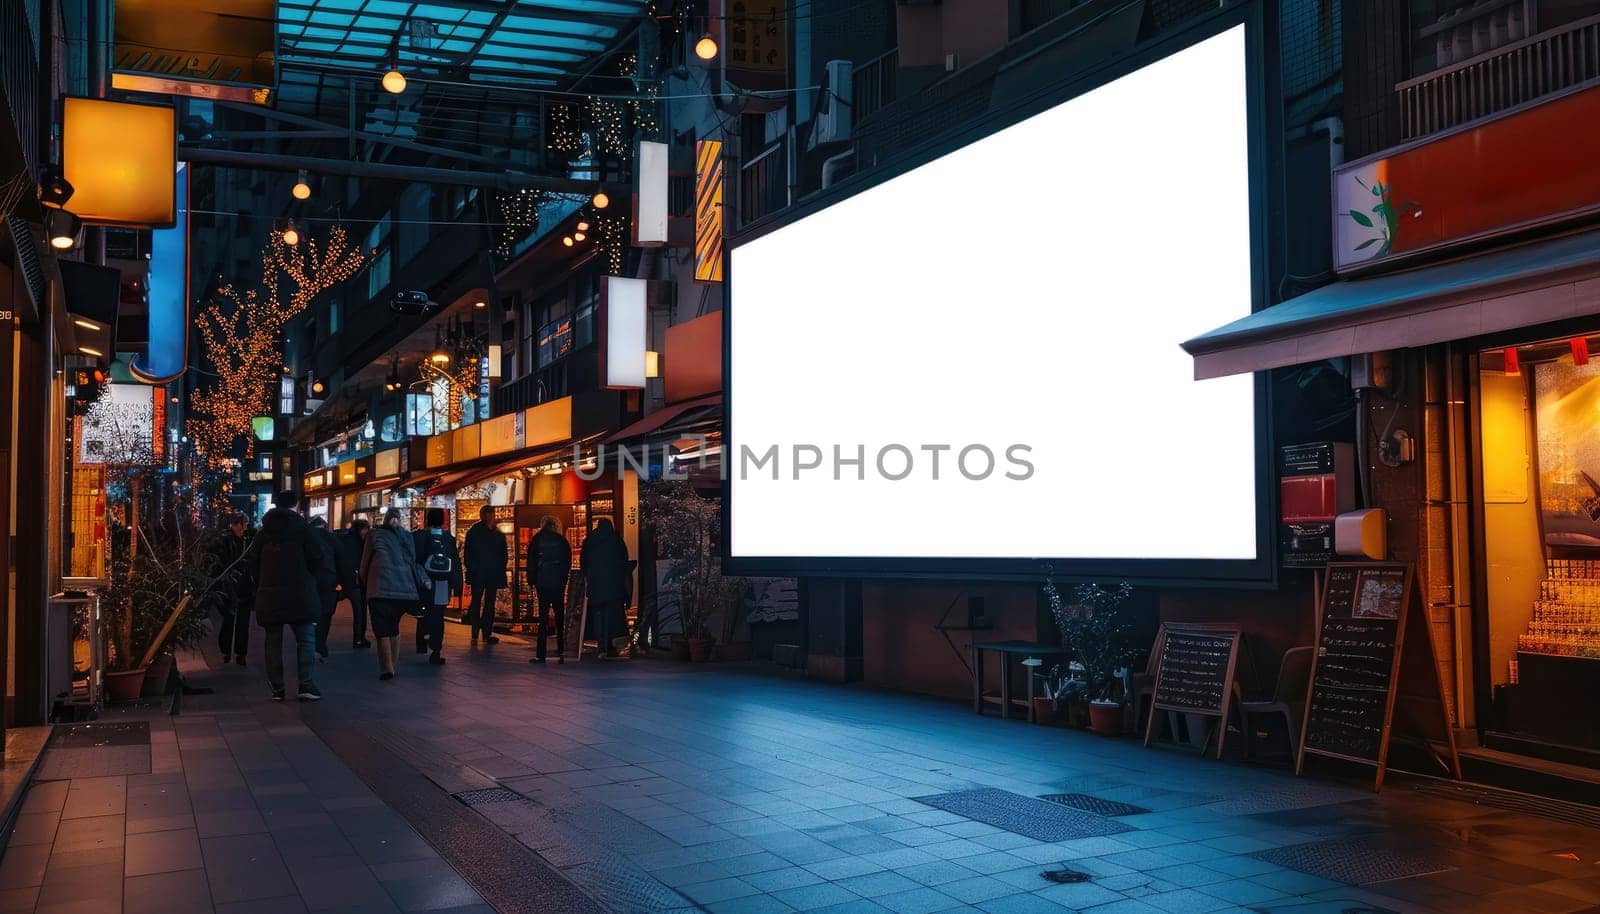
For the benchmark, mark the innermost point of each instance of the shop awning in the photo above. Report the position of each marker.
(1536, 283)
(667, 418)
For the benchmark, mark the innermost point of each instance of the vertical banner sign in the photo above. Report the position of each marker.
(483, 389)
(166, 356)
(756, 41)
(650, 209)
(623, 313)
(708, 211)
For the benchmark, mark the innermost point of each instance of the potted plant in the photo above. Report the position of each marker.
(152, 601)
(1062, 689)
(688, 533)
(1097, 632)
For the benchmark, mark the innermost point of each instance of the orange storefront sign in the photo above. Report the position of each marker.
(1530, 168)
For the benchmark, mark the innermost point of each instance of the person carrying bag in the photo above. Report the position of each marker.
(441, 565)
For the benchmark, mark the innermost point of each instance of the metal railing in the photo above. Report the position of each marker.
(1513, 74)
(875, 83)
(764, 183)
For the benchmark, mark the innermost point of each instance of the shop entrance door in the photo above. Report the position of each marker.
(1539, 439)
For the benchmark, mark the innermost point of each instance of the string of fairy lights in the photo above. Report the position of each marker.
(240, 332)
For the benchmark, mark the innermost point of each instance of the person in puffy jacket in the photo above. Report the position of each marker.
(287, 563)
(486, 557)
(548, 564)
(351, 541)
(390, 579)
(328, 580)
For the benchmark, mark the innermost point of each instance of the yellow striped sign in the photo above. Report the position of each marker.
(708, 211)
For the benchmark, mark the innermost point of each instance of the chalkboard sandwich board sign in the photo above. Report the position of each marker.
(1373, 649)
(1194, 673)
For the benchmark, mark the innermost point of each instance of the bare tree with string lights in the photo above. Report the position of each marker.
(242, 332)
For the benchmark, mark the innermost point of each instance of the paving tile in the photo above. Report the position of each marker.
(338, 884)
(1186, 901)
(185, 892)
(1022, 904)
(34, 828)
(816, 897)
(19, 901)
(874, 885)
(718, 890)
(1078, 895)
(162, 852)
(98, 886)
(754, 904)
(791, 877)
(977, 889)
(918, 901)
(245, 868)
(844, 868)
(1243, 892)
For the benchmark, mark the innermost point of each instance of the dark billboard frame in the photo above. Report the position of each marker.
(1262, 571)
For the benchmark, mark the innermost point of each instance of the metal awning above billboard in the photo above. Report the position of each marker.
(1506, 289)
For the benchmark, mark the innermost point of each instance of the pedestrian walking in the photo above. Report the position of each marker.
(390, 578)
(287, 565)
(351, 542)
(333, 572)
(548, 564)
(604, 562)
(486, 558)
(233, 589)
(441, 562)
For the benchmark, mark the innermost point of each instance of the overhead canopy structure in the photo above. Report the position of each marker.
(1536, 283)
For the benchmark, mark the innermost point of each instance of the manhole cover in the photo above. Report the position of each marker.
(1024, 816)
(94, 736)
(1357, 861)
(1097, 805)
(1064, 876)
(487, 795)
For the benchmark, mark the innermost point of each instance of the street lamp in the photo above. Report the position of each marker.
(706, 47)
(302, 187)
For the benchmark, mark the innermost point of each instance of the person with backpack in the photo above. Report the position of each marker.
(486, 556)
(548, 564)
(390, 578)
(287, 564)
(441, 562)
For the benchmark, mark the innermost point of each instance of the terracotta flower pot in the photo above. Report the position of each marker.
(1105, 717)
(156, 676)
(1045, 712)
(1077, 713)
(700, 649)
(126, 685)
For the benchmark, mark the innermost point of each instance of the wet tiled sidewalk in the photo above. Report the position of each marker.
(652, 786)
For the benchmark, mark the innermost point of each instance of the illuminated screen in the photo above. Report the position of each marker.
(979, 358)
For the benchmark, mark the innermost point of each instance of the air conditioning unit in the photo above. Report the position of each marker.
(832, 122)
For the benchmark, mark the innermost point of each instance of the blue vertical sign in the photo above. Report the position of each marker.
(167, 356)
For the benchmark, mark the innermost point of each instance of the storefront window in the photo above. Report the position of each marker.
(1540, 485)
(419, 415)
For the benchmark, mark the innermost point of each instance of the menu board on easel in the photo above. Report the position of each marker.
(1194, 673)
(1373, 647)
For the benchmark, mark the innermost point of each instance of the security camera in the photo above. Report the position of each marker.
(416, 304)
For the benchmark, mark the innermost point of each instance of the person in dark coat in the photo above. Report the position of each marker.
(390, 578)
(287, 564)
(486, 558)
(352, 539)
(333, 574)
(441, 561)
(548, 564)
(604, 562)
(233, 590)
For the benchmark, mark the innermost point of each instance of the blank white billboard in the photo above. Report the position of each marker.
(994, 336)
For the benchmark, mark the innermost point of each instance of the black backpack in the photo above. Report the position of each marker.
(438, 563)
